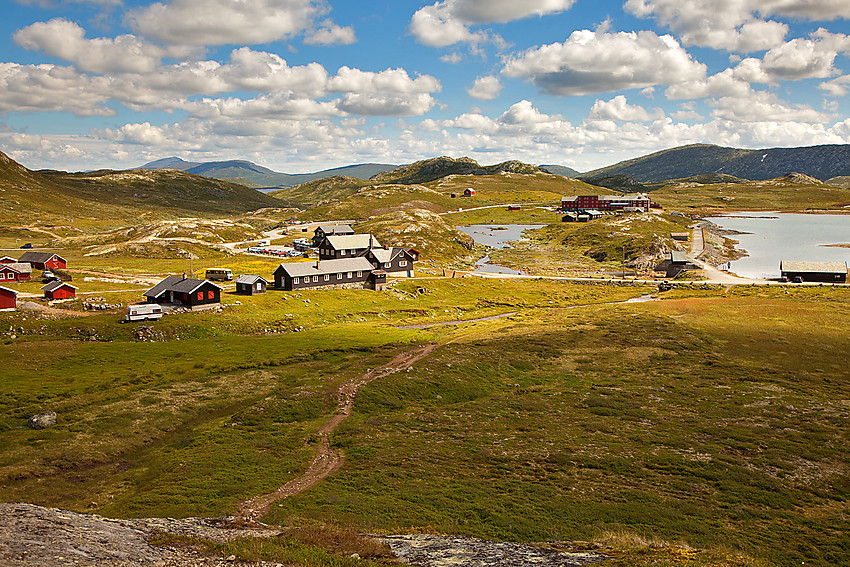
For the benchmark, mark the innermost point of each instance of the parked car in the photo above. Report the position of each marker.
(47, 276)
(27, 246)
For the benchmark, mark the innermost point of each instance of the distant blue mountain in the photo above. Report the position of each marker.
(259, 176)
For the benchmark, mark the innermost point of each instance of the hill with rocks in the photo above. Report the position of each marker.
(436, 168)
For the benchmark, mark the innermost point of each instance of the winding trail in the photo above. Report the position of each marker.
(329, 459)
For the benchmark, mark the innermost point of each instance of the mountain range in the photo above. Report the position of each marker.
(257, 176)
(820, 162)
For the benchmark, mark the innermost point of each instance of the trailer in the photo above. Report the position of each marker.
(148, 312)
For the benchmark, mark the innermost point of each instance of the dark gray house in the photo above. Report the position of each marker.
(248, 284)
(324, 273)
(825, 272)
(177, 290)
(392, 260)
(350, 246)
(324, 230)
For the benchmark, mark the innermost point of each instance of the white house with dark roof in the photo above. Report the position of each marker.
(324, 230)
(249, 284)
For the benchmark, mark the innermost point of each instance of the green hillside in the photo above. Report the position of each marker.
(113, 197)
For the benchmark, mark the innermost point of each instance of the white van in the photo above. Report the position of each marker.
(146, 312)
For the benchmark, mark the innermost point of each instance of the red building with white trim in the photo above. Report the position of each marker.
(44, 260)
(59, 290)
(17, 272)
(7, 299)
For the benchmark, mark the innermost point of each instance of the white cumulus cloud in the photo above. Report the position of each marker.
(618, 109)
(594, 62)
(328, 33)
(66, 40)
(485, 88)
(446, 23)
(222, 22)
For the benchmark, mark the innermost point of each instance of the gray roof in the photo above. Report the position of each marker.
(300, 269)
(335, 228)
(250, 279)
(678, 256)
(818, 267)
(38, 257)
(353, 241)
(384, 255)
(54, 285)
(176, 283)
(21, 267)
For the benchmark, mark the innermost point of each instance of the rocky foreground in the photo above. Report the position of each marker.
(46, 537)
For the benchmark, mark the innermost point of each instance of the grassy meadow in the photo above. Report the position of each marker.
(711, 419)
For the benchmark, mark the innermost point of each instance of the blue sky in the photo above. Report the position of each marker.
(303, 85)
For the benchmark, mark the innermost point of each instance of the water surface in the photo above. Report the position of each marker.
(774, 237)
(496, 236)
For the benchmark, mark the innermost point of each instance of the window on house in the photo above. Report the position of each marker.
(349, 275)
(402, 263)
(295, 280)
(315, 278)
(259, 286)
(327, 277)
(200, 296)
(210, 294)
(342, 252)
(359, 274)
(339, 276)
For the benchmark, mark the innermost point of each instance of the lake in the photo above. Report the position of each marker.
(496, 236)
(774, 237)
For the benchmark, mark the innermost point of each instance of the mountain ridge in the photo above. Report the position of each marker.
(821, 162)
(251, 174)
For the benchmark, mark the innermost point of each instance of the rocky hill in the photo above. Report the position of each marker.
(820, 162)
(251, 174)
(562, 170)
(437, 168)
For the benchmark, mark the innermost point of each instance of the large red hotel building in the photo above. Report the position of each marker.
(605, 202)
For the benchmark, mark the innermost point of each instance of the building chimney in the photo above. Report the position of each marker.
(317, 264)
(184, 275)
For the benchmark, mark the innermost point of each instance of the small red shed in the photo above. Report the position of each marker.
(468, 192)
(7, 260)
(7, 299)
(59, 290)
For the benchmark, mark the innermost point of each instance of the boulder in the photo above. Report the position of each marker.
(42, 420)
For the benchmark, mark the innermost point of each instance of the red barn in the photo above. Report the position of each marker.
(17, 272)
(7, 260)
(7, 299)
(59, 290)
(44, 260)
(469, 192)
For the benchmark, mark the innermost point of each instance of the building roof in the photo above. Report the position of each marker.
(54, 285)
(38, 257)
(322, 267)
(678, 257)
(20, 267)
(250, 279)
(177, 283)
(814, 267)
(384, 255)
(353, 241)
(6, 260)
(335, 228)
(9, 290)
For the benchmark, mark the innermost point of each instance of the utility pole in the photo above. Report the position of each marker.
(624, 261)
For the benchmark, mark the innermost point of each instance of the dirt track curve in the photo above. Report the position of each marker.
(328, 459)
